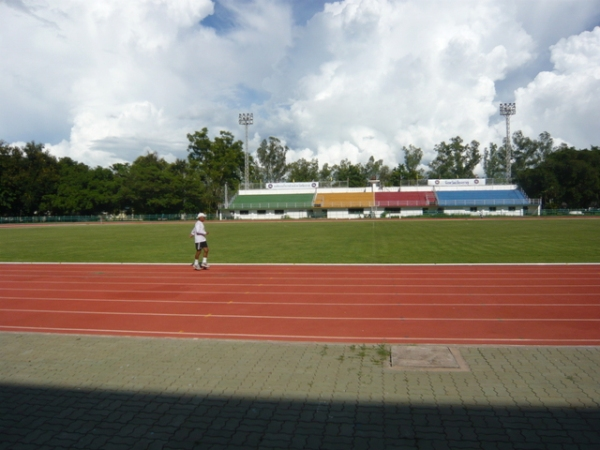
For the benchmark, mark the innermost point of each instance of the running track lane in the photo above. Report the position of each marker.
(463, 304)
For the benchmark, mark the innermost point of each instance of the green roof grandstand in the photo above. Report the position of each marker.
(272, 201)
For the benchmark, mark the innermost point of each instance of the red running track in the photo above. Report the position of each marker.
(462, 304)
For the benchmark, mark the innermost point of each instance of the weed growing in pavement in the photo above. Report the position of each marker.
(378, 353)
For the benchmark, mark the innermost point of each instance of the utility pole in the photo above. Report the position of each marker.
(507, 110)
(246, 119)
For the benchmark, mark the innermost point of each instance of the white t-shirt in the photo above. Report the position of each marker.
(199, 232)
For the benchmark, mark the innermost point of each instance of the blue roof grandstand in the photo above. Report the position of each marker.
(481, 197)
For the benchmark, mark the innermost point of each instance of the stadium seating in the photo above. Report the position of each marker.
(481, 197)
(345, 200)
(272, 201)
(389, 202)
(404, 199)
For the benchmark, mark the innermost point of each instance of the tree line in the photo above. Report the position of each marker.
(34, 182)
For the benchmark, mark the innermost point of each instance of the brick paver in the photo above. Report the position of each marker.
(86, 392)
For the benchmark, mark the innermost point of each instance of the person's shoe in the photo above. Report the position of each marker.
(204, 266)
(196, 266)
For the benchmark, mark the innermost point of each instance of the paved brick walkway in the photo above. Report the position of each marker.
(126, 393)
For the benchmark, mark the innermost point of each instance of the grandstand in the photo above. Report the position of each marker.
(406, 199)
(400, 202)
(345, 205)
(507, 199)
(307, 200)
(272, 205)
(273, 201)
(344, 200)
(481, 198)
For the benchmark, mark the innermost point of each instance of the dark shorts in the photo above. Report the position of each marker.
(200, 245)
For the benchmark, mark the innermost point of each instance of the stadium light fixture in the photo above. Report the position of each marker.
(246, 119)
(507, 110)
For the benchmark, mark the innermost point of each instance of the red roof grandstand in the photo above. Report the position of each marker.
(407, 198)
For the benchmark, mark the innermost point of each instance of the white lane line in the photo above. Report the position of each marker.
(85, 285)
(328, 304)
(378, 339)
(237, 316)
(325, 275)
(205, 293)
(244, 265)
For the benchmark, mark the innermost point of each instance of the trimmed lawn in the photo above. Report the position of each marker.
(385, 241)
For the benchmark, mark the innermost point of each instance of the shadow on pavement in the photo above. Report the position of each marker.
(53, 418)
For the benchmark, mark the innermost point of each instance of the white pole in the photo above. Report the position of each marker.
(246, 119)
(507, 110)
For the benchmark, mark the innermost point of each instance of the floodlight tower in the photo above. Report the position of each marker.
(246, 119)
(507, 110)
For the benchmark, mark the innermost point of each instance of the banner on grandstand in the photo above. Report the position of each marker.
(457, 182)
(308, 185)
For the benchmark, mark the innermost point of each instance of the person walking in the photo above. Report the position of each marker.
(199, 234)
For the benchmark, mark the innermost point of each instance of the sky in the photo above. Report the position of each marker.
(108, 81)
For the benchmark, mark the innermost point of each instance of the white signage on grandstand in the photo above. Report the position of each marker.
(457, 182)
(309, 185)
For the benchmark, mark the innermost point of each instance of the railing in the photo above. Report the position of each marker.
(99, 218)
(489, 202)
(322, 184)
(271, 205)
(406, 203)
(345, 184)
(570, 212)
(49, 219)
(180, 217)
(347, 204)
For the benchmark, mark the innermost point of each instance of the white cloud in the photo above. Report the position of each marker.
(566, 101)
(411, 72)
(129, 77)
(108, 81)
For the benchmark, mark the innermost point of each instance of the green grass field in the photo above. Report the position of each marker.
(528, 240)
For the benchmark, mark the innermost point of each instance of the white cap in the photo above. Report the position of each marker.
(201, 215)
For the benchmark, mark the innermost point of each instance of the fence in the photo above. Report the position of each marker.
(100, 218)
(274, 205)
(188, 217)
(489, 202)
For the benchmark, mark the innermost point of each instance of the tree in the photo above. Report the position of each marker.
(220, 163)
(38, 179)
(567, 178)
(326, 173)
(409, 170)
(529, 153)
(494, 161)
(376, 170)
(398, 175)
(455, 160)
(385, 175)
(153, 186)
(352, 173)
(11, 186)
(187, 186)
(271, 157)
(124, 193)
(81, 190)
(254, 171)
(372, 168)
(303, 170)
(102, 188)
(412, 159)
